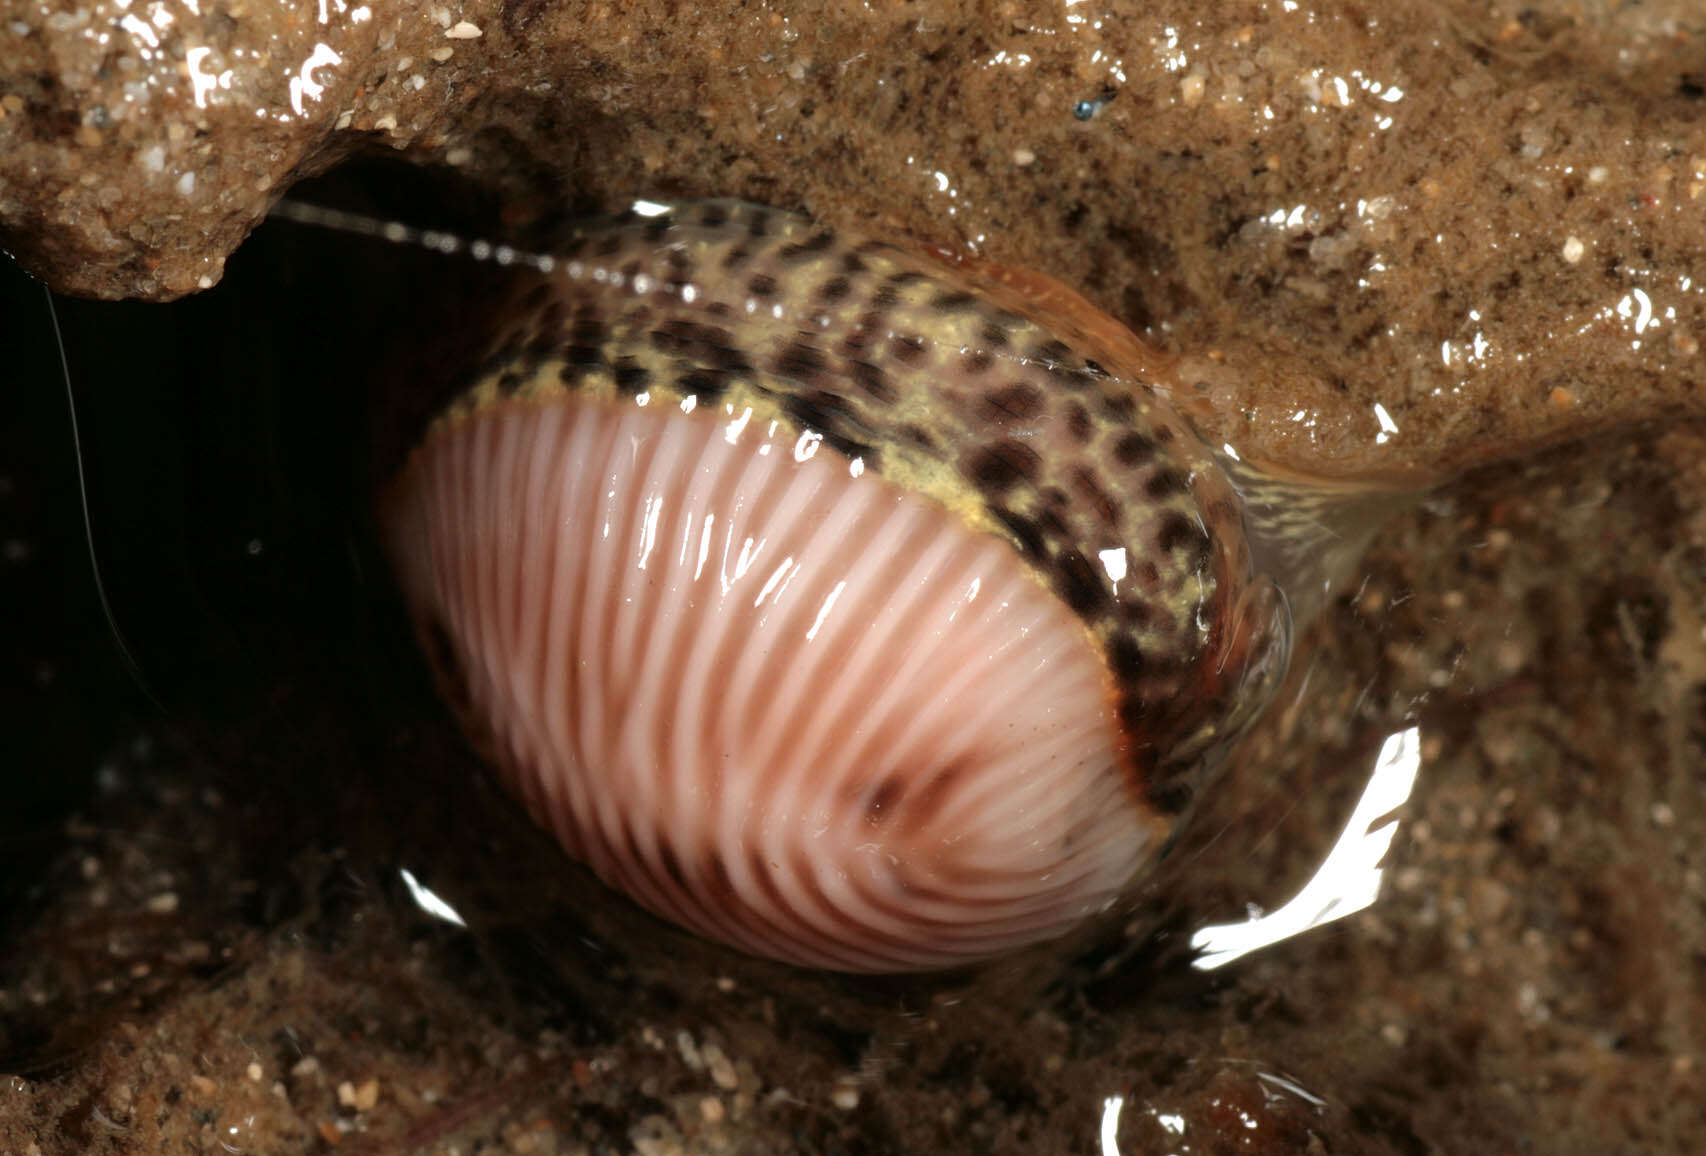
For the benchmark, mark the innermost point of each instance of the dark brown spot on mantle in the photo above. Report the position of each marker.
(997, 468)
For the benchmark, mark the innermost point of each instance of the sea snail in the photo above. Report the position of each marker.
(846, 604)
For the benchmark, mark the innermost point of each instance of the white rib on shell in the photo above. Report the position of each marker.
(921, 775)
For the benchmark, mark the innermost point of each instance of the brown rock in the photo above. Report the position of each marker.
(1462, 218)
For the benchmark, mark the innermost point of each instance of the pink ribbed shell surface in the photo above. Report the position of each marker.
(772, 697)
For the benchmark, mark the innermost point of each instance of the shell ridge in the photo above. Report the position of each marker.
(753, 692)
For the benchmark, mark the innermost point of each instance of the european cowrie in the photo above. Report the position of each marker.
(837, 601)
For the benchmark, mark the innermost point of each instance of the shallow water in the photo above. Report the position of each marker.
(222, 950)
(223, 938)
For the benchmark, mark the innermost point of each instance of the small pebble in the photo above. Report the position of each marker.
(845, 1097)
(722, 1071)
(463, 30)
(1510, 656)
(689, 1052)
(1573, 249)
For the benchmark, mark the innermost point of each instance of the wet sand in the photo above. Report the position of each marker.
(218, 948)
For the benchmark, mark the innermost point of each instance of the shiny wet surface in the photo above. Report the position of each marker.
(222, 947)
